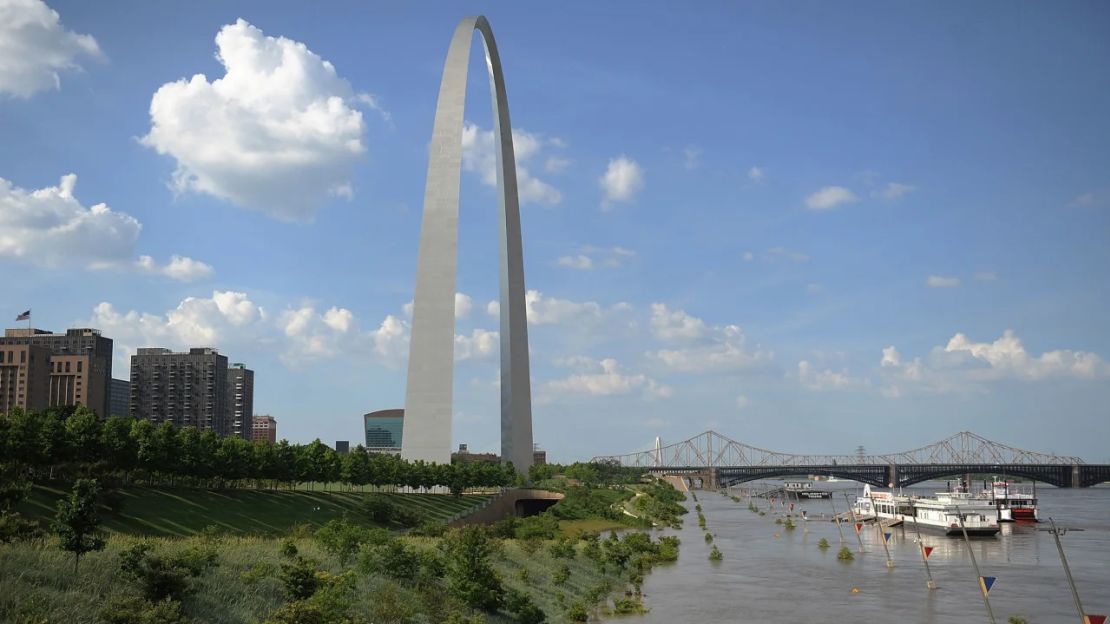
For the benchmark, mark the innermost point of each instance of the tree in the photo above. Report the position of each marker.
(83, 433)
(77, 522)
(470, 577)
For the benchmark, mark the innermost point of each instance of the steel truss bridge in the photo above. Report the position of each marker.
(723, 461)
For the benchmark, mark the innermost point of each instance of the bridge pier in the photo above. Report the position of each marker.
(1075, 480)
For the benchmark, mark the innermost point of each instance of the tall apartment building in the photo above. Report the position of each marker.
(119, 397)
(187, 389)
(264, 429)
(80, 365)
(240, 399)
(384, 429)
(24, 377)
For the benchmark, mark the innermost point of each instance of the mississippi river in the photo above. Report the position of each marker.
(788, 579)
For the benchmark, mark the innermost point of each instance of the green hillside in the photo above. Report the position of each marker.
(182, 512)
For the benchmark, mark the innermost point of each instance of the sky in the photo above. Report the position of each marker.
(807, 226)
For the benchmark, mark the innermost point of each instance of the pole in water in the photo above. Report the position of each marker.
(836, 518)
(1056, 533)
(879, 530)
(931, 584)
(855, 521)
(975, 564)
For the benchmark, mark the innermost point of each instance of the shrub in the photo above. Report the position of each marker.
(542, 526)
(298, 578)
(561, 574)
(523, 609)
(164, 576)
(342, 539)
(393, 559)
(378, 508)
(562, 549)
(470, 577)
(297, 612)
(715, 554)
(131, 610)
(629, 605)
(430, 528)
(257, 572)
(823, 543)
(288, 548)
(708, 538)
(577, 612)
(845, 554)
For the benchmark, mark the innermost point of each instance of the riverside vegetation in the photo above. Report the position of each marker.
(380, 559)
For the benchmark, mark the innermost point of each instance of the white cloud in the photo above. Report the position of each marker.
(480, 157)
(777, 253)
(669, 324)
(706, 348)
(556, 164)
(581, 262)
(607, 379)
(391, 339)
(623, 179)
(180, 268)
(893, 190)
(826, 379)
(277, 133)
(50, 227)
(692, 157)
(479, 344)
(463, 304)
(986, 276)
(962, 365)
(196, 321)
(941, 281)
(550, 310)
(743, 402)
(493, 308)
(34, 47)
(757, 174)
(590, 257)
(830, 197)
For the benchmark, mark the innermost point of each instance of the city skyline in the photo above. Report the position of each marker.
(877, 228)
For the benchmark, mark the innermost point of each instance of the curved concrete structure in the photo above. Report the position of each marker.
(428, 401)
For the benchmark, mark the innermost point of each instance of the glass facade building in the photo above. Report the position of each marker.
(384, 429)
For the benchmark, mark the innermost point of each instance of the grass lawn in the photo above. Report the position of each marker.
(574, 528)
(182, 512)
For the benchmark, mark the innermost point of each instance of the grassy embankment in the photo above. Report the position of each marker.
(182, 512)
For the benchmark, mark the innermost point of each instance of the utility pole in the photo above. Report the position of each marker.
(1056, 533)
(931, 584)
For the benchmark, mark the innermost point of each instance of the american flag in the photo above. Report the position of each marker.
(26, 316)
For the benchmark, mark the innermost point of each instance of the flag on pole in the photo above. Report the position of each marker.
(928, 550)
(886, 536)
(986, 583)
(1094, 619)
(859, 525)
(26, 316)
(791, 506)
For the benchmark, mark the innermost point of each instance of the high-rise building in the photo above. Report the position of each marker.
(119, 397)
(24, 377)
(187, 389)
(264, 428)
(343, 446)
(240, 399)
(384, 429)
(80, 365)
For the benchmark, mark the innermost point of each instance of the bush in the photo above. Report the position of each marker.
(845, 554)
(393, 559)
(542, 526)
(629, 605)
(470, 577)
(378, 508)
(523, 609)
(715, 554)
(430, 528)
(164, 576)
(297, 612)
(131, 610)
(708, 538)
(288, 548)
(823, 543)
(298, 578)
(341, 538)
(561, 574)
(577, 612)
(562, 549)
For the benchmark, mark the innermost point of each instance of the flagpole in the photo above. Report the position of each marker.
(836, 517)
(931, 584)
(1055, 531)
(975, 564)
(855, 521)
(882, 534)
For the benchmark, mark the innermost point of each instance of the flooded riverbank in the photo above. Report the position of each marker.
(764, 578)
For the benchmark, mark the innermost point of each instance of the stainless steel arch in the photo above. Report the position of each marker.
(428, 395)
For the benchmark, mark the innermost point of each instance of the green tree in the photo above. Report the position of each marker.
(117, 444)
(83, 431)
(77, 522)
(470, 577)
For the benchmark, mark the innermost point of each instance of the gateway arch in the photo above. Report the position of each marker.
(428, 395)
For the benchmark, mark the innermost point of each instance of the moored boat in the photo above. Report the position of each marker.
(939, 513)
(1014, 502)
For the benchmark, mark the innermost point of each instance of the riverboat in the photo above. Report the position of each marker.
(940, 513)
(803, 489)
(1015, 503)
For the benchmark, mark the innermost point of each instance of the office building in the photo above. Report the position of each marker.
(264, 429)
(343, 446)
(24, 377)
(539, 456)
(119, 397)
(80, 365)
(187, 389)
(240, 399)
(384, 429)
(463, 455)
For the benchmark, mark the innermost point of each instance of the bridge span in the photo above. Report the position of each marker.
(723, 461)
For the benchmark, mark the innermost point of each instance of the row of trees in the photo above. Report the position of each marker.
(76, 440)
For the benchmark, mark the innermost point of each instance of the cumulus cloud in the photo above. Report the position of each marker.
(826, 379)
(942, 281)
(50, 227)
(556, 164)
(893, 190)
(479, 156)
(623, 179)
(543, 310)
(830, 197)
(757, 174)
(580, 261)
(479, 344)
(463, 305)
(604, 378)
(962, 365)
(704, 348)
(278, 133)
(180, 268)
(34, 47)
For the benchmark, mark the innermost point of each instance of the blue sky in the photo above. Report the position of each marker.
(806, 226)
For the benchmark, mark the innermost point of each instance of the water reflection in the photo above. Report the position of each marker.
(764, 578)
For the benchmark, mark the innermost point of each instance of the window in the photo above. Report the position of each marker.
(79, 362)
(67, 366)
